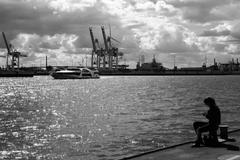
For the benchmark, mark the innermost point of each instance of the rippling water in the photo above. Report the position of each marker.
(107, 118)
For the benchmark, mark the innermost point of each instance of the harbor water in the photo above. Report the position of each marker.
(107, 118)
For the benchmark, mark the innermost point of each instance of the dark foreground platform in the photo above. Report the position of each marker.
(13, 73)
(225, 151)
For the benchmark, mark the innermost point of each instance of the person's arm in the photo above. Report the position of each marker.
(204, 114)
(208, 115)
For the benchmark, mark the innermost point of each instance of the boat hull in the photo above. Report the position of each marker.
(62, 76)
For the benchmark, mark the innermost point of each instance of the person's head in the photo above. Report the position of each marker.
(210, 102)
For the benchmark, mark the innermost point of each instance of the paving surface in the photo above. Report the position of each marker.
(227, 151)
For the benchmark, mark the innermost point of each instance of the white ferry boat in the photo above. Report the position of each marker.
(75, 73)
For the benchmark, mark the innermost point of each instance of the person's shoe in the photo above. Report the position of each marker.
(196, 145)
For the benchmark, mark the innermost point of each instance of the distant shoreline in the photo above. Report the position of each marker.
(167, 73)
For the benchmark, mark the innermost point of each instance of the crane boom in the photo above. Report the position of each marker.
(104, 38)
(8, 48)
(115, 40)
(6, 43)
(97, 42)
(92, 38)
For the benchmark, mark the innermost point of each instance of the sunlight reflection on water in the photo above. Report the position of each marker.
(107, 118)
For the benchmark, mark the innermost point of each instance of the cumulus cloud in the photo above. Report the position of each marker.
(220, 30)
(46, 26)
(235, 33)
(59, 28)
(168, 39)
(199, 11)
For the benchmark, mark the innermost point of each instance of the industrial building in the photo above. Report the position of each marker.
(152, 66)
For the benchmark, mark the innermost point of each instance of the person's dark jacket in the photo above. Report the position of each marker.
(214, 116)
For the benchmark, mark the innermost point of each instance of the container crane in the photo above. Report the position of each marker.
(99, 53)
(113, 51)
(12, 54)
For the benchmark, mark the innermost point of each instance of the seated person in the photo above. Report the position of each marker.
(214, 119)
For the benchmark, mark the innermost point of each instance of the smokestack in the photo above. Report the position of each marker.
(214, 61)
(237, 61)
(233, 60)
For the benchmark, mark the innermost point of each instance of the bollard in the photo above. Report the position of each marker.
(223, 131)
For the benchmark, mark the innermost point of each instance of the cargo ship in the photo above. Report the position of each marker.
(154, 68)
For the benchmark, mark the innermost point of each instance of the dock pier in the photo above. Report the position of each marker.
(228, 150)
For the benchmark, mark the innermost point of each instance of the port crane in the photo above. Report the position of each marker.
(108, 55)
(98, 54)
(106, 48)
(113, 51)
(12, 56)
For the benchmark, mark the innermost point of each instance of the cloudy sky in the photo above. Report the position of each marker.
(190, 30)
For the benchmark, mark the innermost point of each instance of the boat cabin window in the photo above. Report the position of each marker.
(86, 72)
